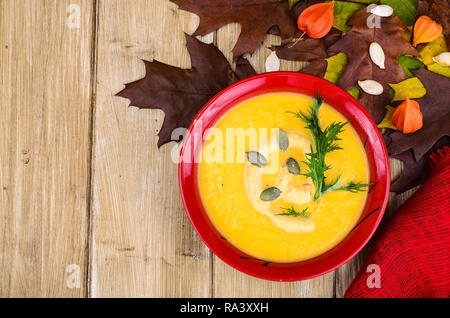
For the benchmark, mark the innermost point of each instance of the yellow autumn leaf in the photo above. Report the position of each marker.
(439, 69)
(411, 88)
(387, 121)
(336, 66)
(433, 49)
(354, 92)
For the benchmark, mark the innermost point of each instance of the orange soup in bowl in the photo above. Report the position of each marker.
(258, 177)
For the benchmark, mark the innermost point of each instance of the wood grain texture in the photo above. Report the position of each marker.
(88, 186)
(45, 70)
(142, 242)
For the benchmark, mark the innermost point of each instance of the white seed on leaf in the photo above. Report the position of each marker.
(382, 10)
(377, 55)
(273, 63)
(371, 87)
(443, 59)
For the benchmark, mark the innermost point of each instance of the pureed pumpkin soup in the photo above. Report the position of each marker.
(283, 177)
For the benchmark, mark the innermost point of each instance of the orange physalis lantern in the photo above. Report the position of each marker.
(317, 20)
(407, 116)
(426, 30)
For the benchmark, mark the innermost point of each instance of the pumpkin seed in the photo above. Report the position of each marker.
(382, 10)
(371, 87)
(273, 63)
(443, 59)
(256, 159)
(293, 166)
(270, 194)
(377, 54)
(283, 140)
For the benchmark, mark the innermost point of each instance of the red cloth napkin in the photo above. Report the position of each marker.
(410, 257)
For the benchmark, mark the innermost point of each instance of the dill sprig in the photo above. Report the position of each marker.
(293, 212)
(354, 187)
(325, 141)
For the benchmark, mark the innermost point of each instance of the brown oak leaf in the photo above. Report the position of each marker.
(360, 67)
(435, 107)
(257, 17)
(181, 93)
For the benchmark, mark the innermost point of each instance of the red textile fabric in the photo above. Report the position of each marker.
(410, 257)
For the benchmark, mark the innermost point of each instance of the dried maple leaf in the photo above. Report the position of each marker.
(360, 66)
(415, 172)
(257, 17)
(422, 140)
(308, 49)
(316, 68)
(436, 117)
(311, 50)
(181, 93)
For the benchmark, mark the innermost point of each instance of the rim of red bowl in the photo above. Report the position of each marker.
(376, 152)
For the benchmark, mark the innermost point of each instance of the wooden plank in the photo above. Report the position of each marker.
(142, 242)
(230, 283)
(45, 69)
(227, 281)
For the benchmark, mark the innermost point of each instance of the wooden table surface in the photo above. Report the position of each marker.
(89, 207)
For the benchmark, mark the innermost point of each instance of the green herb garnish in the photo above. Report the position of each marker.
(325, 141)
(293, 212)
(353, 187)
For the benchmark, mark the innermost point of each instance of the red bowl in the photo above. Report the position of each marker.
(376, 154)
